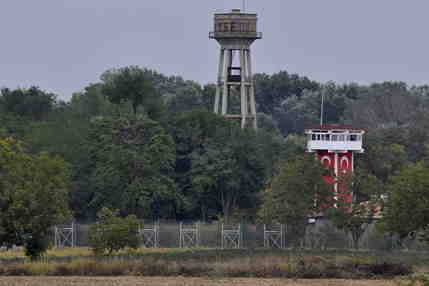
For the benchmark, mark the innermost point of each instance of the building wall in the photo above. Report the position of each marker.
(341, 164)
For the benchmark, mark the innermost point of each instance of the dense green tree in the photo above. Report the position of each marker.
(219, 166)
(383, 105)
(272, 90)
(186, 98)
(31, 103)
(406, 208)
(91, 102)
(382, 158)
(14, 126)
(133, 85)
(130, 167)
(33, 196)
(300, 191)
(355, 216)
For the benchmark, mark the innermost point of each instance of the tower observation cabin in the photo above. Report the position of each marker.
(334, 138)
(235, 32)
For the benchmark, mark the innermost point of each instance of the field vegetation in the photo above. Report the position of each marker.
(217, 263)
(184, 281)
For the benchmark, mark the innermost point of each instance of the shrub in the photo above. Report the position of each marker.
(112, 233)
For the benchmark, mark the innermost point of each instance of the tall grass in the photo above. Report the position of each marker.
(263, 267)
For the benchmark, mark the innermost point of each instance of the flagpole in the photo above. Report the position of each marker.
(321, 108)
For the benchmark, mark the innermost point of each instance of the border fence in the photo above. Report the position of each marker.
(317, 234)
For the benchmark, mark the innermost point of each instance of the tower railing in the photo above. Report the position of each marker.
(251, 35)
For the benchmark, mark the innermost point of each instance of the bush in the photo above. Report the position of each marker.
(112, 233)
(35, 246)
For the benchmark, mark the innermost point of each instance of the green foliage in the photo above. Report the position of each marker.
(35, 246)
(134, 85)
(112, 233)
(33, 196)
(130, 167)
(13, 126)
(299, 191)
(133, 164)
(406, 209)
(91, 102)
(272, 90)
(354, 217)
(29, 103)
(219, 165)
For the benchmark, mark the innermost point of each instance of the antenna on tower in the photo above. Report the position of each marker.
(244, 6)
(321, 108)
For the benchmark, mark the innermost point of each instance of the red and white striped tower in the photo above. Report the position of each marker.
(335, 146)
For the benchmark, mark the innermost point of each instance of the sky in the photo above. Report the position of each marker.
(64, 45)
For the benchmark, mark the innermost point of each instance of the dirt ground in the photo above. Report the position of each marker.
(178, 281)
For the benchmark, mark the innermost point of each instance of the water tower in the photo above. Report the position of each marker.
(335, 146)
(235, 32)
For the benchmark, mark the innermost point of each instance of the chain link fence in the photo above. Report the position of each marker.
(319, 234)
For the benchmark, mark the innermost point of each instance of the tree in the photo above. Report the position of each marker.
(383, 157)
(220, 168)
(299, 191)
(272, 90)
(406, 209)
(134, 85)
(31, 103)
(186, 99)
(355, 216)
(130, 167)
(91, 102)
(33, 196)
(112, 233)
(382, 105)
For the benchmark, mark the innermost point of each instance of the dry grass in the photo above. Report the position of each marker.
(179, 281)
(261, 267)
(84, 252)
(209, 263)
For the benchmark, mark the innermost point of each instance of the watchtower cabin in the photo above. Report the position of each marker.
(235, 32)
(335, 146)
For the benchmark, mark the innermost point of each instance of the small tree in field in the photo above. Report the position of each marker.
(298, 191)
(33, 197)
(112, 233)
(355, 216)
(406, 210)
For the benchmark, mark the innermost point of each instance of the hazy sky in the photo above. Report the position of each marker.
(63, 45)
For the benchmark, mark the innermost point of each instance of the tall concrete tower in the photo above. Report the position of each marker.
(235, 32)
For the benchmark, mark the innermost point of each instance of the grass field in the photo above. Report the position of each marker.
(215, 263)
(180, 281)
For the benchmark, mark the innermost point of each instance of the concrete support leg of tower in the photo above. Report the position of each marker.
(251, 91)
(244, 105)
(220, 79)
(227, 64)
